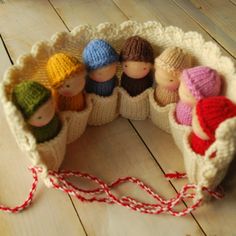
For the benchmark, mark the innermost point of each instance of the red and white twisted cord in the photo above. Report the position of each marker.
(97, 194)
(28, 200)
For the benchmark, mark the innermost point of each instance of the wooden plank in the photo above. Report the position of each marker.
(163, 11)
(5, 62)
(25, 22)
(47, 214)
(122, 159)
(233, 2)
(216, 17)
(15, 181)
(166, 12)
(111, 151)
(85, 11)
(164, 150)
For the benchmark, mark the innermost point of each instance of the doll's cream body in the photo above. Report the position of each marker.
(168, 67)
(166, 91)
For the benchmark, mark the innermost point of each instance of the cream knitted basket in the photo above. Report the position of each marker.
(203, 171)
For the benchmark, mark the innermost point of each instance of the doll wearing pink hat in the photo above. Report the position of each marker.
(196, 83)
(208, 114)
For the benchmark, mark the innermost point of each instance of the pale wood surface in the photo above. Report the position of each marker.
(216, 17)
(137, 148)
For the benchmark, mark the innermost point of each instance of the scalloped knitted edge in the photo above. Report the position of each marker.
(174, 35)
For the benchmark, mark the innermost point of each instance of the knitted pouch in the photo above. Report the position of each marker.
(209, 170)
(134, 108)
(104, 109)
(77, 121)
(203, 171)
(159, 115)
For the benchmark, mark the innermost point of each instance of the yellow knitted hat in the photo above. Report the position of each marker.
(173, 59)
(60, 66)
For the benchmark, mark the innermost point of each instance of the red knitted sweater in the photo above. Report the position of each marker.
(199, 145)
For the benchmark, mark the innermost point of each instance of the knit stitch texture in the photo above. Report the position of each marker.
(60, 66)
(101, 88)
(136, 48)
(202, 81)
(98, 53)
(183, 113)
(135, 87)
(70, 103)
(165, 96)
(173, 60)
(47, 132)
(28, 96)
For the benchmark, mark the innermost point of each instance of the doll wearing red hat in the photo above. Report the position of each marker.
(208, 114)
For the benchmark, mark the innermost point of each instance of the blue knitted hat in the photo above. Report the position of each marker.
(99, 53)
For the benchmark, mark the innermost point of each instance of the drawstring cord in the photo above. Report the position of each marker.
(103, 193)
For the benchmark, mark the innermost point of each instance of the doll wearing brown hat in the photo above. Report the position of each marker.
(137, 61)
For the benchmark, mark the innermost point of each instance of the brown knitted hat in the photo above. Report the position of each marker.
(173, 59)
(136, 48)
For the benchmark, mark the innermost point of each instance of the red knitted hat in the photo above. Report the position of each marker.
(212, 111)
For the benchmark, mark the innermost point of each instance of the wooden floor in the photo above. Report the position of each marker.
(118, 149)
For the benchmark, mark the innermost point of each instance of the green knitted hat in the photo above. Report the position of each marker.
(28, 96)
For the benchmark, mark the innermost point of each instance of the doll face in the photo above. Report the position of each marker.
(104, 73)
(166, 79)
(43, 115)
(73, 85)
(185, 95)
(136, 69)
(197, 129)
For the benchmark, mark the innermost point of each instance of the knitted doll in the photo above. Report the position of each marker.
(207, 116)
(195, 83)
(67, 78)
(38, 109)
(137, 59)
(101, 61)
(168, 67)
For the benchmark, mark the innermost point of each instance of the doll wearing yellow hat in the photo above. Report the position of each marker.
(67, 78)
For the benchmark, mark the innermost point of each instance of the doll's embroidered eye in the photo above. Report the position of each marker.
(171, 80)
(39, 117)
(67, 85)
(126, 66)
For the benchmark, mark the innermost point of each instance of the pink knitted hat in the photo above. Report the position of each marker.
(202, 81)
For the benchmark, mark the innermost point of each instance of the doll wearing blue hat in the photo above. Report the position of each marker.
(101, 61)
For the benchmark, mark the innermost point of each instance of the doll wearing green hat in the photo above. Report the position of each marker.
(38, 109)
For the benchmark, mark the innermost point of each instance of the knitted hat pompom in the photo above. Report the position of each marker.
(28, 96)
(60, 66)
(174, 60)
(202, 81)
(98, 53)
(212, 111)
(136, 48)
